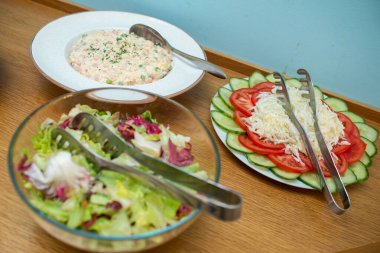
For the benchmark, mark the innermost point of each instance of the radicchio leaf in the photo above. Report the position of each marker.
(182, 157)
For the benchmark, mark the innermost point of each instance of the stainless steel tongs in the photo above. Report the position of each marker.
(328, 160)
(217, 200)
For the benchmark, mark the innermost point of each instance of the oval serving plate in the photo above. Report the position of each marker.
(51, 46)
(222, 134)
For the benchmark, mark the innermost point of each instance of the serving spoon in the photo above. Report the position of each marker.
(151, 34)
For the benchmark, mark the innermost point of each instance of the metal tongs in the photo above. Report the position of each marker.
(328, 160)
(217, 200)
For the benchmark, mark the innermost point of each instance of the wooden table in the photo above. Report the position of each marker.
(275, 217)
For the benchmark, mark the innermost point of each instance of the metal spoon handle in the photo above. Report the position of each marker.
(151, 34)
(202, 64)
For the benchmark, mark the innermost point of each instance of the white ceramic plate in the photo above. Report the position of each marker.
(222, 134)
(51, 45)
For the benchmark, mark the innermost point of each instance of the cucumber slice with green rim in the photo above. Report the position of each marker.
(318, 93)
(221, 106)
(261, 160)
(225, 122)
(258, 166)
(270, 78)
(370, 149)
(366, 160)
(353, 117)
(284, 174)
(233, 142)
(255, 78)
(336, 104)
(349, 177)
(367, 131)
(360, 171)
(225, 94)
(238, 83)
(312, 180)
(293, 83)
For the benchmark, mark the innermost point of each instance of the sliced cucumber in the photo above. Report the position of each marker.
(366, 160)
(312, 180)
(360, 171)
(255, 78)
(367, 131)
(233, 142)
(238, 83)
(258, 166)
(221, 106)
(370, 149)
(271, 78)
(293, 83)
(225, 94)
(284, 174)
(261, 160)
(225, 122)
(349, 178)
(318, 93)
(353, 117)
(336, 104)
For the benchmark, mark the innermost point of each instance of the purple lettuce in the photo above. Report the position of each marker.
(114, 205)
(127, 130)
(183, 211)
(65, 123)
(22, 165)
(181, 157)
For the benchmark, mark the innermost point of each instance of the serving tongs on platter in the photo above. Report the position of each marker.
(216, 199)
(328, 160)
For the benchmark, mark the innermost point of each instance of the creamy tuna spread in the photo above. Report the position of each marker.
(117, 57)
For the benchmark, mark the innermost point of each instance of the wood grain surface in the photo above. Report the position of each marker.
(275, 217)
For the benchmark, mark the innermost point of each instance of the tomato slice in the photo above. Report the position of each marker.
(241, 100)
(350, 128)
(339, 149)
(356, 150)
(248, 143)
(340, 163)
(289, 164)
(263, 87)
(238, 117)
(259, 88)
(256, 140)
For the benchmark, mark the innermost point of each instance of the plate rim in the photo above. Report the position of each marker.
(99, 84)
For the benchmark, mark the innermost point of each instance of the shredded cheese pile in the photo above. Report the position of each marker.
(270, 121)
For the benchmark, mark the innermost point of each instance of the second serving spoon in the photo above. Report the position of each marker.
(150, 34)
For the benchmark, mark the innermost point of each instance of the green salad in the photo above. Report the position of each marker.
(67, 188)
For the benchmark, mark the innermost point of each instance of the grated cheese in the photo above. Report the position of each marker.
(270, 121)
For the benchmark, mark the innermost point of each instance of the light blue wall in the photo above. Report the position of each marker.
(338, 41)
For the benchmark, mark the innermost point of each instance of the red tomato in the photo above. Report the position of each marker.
(247, 142)
(339, 149)
(349, 127)
(256, 140)
(356, 150)
(241, 100)
(263, 87)
(288, 163)
(340, 163)
(238, 117)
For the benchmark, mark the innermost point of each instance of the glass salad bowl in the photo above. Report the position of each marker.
(127, 102)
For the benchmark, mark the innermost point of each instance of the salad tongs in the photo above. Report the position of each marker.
(328, 160)
(216, 199)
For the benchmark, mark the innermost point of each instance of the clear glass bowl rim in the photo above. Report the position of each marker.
(154, 233)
